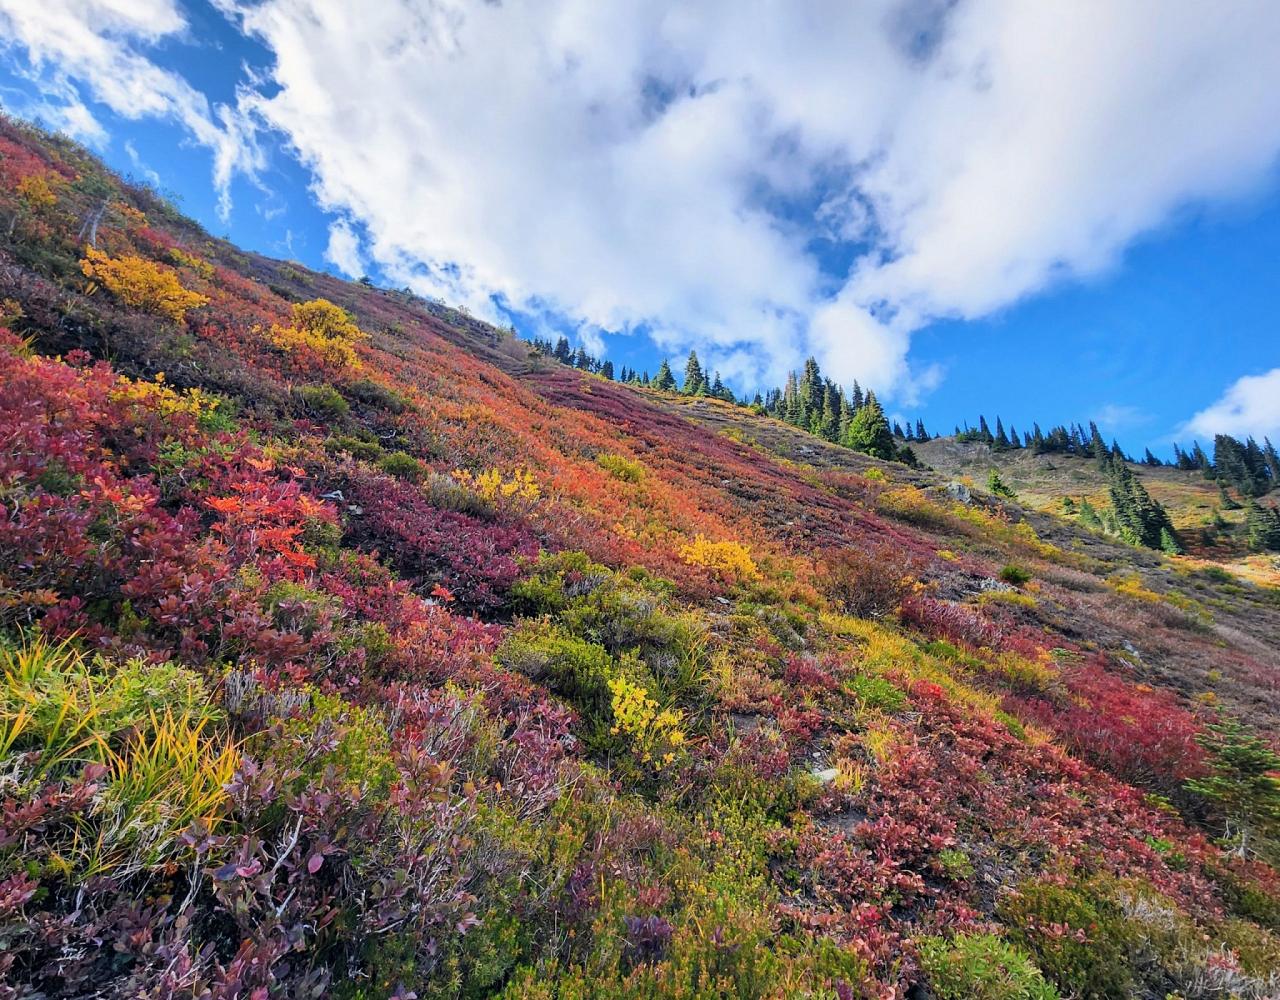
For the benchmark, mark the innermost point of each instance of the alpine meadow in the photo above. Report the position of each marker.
(358, 644)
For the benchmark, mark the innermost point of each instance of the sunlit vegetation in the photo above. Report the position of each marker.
(338, 661)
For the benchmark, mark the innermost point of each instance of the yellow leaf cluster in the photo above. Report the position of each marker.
(141, 284)
(729, 559)
(195, 401)
(324, 328)
(492, 487)
(36, 192)
(655, 733)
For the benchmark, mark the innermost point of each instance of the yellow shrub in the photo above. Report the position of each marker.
(194, 401)
(323, 328)
(729, 559)
(141, 284)
(654, 733)
(492, 487)
(36, 192)
(1012, 597)
(184, 259)
(621, 467)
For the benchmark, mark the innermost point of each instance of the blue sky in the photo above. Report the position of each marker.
(1052, 212)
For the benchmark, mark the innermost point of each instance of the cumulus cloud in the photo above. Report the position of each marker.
(694, 170)
(1250, 406)
(343, 251)
(101, 45)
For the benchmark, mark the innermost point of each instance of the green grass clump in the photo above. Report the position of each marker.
(981, 967)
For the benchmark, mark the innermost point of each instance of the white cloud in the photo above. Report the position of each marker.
(1116, 416)
(1250, 406)
(343, 251)
(646, 163)
(101, 44)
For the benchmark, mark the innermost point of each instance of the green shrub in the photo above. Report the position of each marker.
(572, 668)
(401, 465)
(955, 864)
(1091, 959)
(1015, 575)
(322, 401)
(981, 967)
(372, 394)
(621, 467)
(875, 692)
(353, 446)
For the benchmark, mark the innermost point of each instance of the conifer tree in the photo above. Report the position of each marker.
(606, 369)
(1242, 782)
(1262, 527)
(664, 380)
(694, 380)
(869, 430)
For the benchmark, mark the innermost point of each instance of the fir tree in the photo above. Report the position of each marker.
(997, 486)
(1262, 527)
(606, 369)
(869, 430)
(664, 380)
(694, 381)
(1242, 782)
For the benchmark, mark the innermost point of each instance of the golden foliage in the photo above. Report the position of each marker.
(654, 732)
(323, 328)
(141, 284)
(730, 559)
(492, 487)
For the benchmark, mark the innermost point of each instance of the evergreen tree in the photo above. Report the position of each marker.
(606, 369)
(1139, 519)
(694, 380)
(1089, 516)
(1272, 459)
(921, 433)
(1150, 459)
(664, 380)
(984, 432)
(562, 351)
(997, 486)
(1097, 447)
(1242, 782)
(897, 430)
(1001, 439)
(869, 430)
(1262, 527)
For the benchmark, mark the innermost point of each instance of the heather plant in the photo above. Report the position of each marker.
(1079, 939)
(981, 967)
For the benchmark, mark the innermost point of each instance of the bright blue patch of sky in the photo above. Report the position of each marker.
(1188, 310)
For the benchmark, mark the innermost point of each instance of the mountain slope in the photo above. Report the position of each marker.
(364, 654)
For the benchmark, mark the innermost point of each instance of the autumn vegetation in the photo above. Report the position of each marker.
(350, 649)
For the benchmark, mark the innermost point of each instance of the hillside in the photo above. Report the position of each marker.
(352, 650)
(1043, 481)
